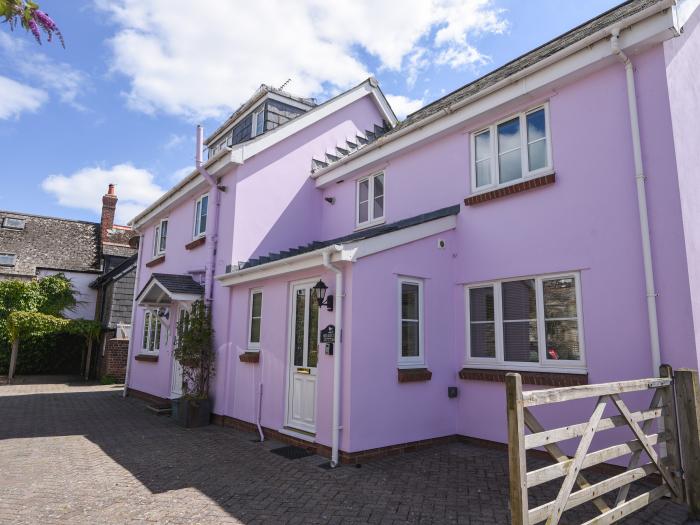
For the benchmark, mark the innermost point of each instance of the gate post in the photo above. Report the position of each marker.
(517, 465)
(688, 405)
(671, 447)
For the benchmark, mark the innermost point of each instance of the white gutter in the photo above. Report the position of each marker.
(641, 202)
(132, 338)
(511, 79)
(337, 349)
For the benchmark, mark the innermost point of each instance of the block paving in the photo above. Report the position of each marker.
(76, 453)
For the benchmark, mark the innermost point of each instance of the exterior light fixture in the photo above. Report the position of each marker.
(319, 291)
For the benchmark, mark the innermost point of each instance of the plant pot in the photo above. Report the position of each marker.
(190, 413)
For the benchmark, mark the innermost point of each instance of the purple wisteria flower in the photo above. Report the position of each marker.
(32, 19)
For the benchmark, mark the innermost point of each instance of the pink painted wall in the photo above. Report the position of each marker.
(683, 74)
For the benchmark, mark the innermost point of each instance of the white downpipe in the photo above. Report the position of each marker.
(132, 337)
(260, 399)
(641, 201)
(337, 352)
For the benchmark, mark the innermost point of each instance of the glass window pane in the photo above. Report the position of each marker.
(483, 340)
(559, 298)
(197, 208)
(481, 304)
(257, 304)
(409, 301)
(509, 135)
(535, 125)
(146, 328)
(260, 123)
(409, 339)
(378, 186)
(364, 190)
(312, 360)
(203, 220)
(156, 336)
(482, 146)
(537, 155)
(255, 330)
(509, 166)
(378, 209)
(520, 341)
(483, 173)
(299, 328)
(163, 235)
(363, 212)
(562, 340)
(519, 300)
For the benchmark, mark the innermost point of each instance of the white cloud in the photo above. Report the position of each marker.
(59, 78)
(200, 63)
(16, 98)
(174, 141)
(180, 174)
(83, 189)
(403, 106)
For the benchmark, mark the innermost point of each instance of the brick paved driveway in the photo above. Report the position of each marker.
(82, 454)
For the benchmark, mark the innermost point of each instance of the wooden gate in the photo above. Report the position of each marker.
(659, 437)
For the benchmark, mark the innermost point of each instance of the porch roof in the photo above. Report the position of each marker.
(164, 288)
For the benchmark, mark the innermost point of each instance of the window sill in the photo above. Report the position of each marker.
(504, 191)
(197, 242)
(556, 379)
(155, 261)
(249, 357)
(410, 375)
(151, 358)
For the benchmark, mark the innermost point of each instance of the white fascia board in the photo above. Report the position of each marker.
(350, 252)
(190, 184)
(173, 297)
(654, 25)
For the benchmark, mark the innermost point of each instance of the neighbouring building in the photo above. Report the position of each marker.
(544, 218)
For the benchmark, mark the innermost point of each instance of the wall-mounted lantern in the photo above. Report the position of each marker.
(320, 290)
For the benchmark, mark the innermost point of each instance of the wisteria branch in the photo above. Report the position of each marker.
(28, 15)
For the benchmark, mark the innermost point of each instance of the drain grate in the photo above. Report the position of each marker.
(292, 452)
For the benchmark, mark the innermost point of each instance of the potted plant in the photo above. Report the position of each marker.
(194, 349)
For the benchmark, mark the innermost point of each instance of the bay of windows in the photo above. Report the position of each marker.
(370, 200)
(510, 150)
(525, 323)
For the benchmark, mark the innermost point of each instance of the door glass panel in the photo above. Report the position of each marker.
(299, 327)
(313, 332)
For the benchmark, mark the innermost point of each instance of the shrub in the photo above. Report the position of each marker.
(194, 350)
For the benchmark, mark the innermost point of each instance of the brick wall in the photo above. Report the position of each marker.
(114, 358)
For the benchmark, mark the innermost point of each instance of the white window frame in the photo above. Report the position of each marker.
(7, 226)
(254, 346)
(14, 260)
(146, 331)
(544, 364)
(157, 233)
(254, 125)
(419, 360)
(524, 164)
(196, 234)
(371, 219)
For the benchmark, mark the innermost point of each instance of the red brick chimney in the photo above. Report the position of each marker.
(109, 206)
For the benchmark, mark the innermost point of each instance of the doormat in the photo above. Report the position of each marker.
(291, 452)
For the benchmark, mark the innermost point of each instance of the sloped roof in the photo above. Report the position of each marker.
(114, 272)
(607, 19)
(355, 236)
(167, 287)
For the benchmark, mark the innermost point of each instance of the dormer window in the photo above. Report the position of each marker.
(160, 237)
(370, 200)
(200, 216)
(7, 259)
(12, 223)
(258, 126)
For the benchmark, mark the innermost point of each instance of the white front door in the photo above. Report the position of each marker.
(303, 358)
(176, 372)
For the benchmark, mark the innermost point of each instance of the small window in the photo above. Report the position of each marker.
(410, 323)
(258, 125)
(160, 237)
(200, 216)
(526, 323)
(13, 223)
(511, 150)
(370, 200)
(151, 332)
(254, 326)
(7, 259)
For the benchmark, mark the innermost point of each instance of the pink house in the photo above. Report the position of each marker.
(544, 218)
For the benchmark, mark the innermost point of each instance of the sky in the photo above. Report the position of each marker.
(120, 103)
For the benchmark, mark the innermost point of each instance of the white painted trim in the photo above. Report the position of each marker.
(349, 252)
(371, 219)
(197, 219)
(654, 24)
(253, 291)
(157, 233)
(173, 297)
(544, 364)
(311, 438)
(417, 361)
